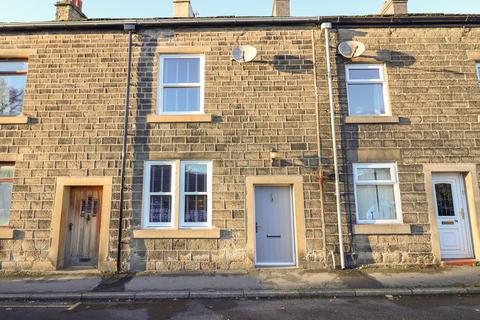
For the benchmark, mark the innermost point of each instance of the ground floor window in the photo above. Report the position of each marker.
(189, 205)
(377, 193)
(6, 188)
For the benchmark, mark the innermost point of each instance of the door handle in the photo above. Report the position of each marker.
(462, 213)
(256, 227)
(70, 226)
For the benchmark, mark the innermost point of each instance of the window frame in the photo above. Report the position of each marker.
(8, 180)
(147, 193)
(16, 73)
(393, 182)
(383, 81)
(208, 193)
(161, 85)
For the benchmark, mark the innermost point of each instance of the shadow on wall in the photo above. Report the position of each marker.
(289, 63)
(143, 86)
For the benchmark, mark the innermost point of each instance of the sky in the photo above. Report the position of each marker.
(42, 10)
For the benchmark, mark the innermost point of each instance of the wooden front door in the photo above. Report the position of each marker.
(83, 227)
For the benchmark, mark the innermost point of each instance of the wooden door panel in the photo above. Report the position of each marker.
(83, 226)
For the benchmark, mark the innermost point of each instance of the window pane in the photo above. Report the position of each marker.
(445, 206)
(13, 66)
(196, 208)
(6, 171)
(5, 200)
(196, 178)
(12, 91)
(161, 208)
(364, 174)
(366, 99)
(160, 178)
(181, 99)
(364, 74)
(376, 203)
(181, 70)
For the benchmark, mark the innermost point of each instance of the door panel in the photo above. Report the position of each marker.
(452, 216)
(83, 226)
(274, 226)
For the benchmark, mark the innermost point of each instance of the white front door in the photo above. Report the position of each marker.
(452, 216)
(274, 240)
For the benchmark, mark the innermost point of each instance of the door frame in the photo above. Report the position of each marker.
(472, 193)
(298, 215)
(60, 213)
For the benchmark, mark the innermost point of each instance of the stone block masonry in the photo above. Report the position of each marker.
(75, 101)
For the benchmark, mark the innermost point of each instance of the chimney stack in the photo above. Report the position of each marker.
(394, 7)
(69, 10)
(182, 9)
(281, 8)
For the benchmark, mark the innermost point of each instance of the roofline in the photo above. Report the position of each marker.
(417, 20)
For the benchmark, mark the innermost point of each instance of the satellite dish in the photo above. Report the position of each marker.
(244, 54)
(351, 49)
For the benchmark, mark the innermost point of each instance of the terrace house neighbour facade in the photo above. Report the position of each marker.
(230, 165)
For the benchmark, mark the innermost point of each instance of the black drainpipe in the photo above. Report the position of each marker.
(131, 29)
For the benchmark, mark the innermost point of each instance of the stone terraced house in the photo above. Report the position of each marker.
(230, 163)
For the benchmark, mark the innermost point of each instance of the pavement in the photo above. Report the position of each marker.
(264, 283)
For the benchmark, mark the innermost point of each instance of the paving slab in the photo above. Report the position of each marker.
(451, 276)
(44, 284)
(193, 282)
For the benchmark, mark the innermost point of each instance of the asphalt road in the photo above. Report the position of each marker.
(435, 308)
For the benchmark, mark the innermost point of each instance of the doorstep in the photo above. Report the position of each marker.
(459, 262)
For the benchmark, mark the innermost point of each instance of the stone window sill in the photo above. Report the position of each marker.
(6, 233)
(156, 118)
(177, 234)
(371, 119)
(382, 229)
(21, 119)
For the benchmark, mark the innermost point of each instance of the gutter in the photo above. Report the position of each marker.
(337, 21)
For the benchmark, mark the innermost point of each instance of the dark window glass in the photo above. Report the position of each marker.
(196, 178)
(161, 208)
(160, 178)
(196, 208)
(445, 207)
(13, 80)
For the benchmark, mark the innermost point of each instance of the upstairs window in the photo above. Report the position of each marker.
(13, 80)
(377, 193)
(181, 84)
(6, 187)
(366, 90)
